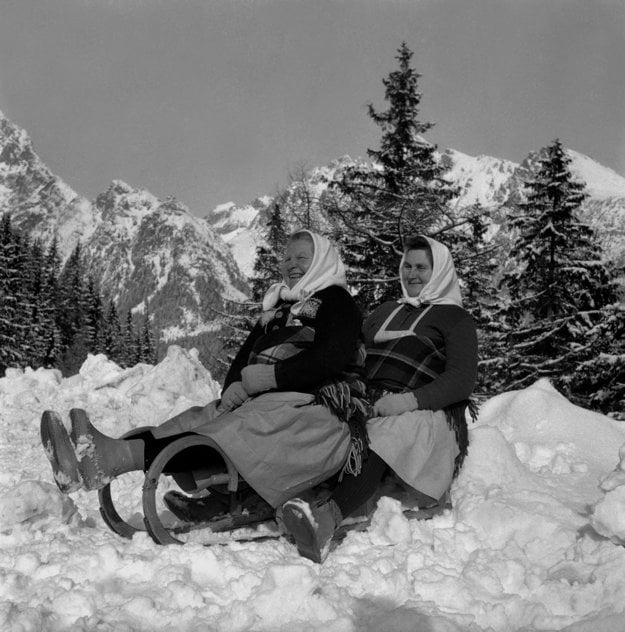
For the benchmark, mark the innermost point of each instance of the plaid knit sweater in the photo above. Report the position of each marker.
(438, 364)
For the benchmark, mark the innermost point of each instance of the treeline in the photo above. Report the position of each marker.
(52, 316)
(546, 302)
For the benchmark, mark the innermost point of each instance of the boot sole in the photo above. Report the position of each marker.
(298, 524)
(60, 452)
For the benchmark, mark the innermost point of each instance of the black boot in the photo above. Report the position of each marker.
(312, 526)
(60, 452)
(191, 509)
(101, 458)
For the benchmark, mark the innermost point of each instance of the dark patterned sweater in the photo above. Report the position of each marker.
(445, 344)
(336, 321)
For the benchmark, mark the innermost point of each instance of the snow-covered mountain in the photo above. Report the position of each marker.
(478, 178)
(493, 183)
(155, 253)
(40, 203)
(144, 251)
(241, 227)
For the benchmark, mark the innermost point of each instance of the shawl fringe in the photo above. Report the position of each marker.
(346, 399)
(457, 421)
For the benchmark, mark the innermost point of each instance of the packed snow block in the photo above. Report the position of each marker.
(534, 466)
(388, 524)
(542, 425)
(608, 516)
(31, 502)
(305, 603)
(100, 370)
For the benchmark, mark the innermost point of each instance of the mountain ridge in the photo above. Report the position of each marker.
(155, 255)
(146, 253)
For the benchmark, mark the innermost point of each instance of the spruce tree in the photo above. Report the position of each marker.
(130, 351)
(147, 343)
(37, 305)
(269, 256)
(403, 192)
(10, 353)
(94, 316)
(72, 291)
(113, 339)
(559, 287)
(24, 292)
(51, 307)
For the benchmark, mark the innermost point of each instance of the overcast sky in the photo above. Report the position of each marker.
(212, 101)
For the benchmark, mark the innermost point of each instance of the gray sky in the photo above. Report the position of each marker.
(215, 100)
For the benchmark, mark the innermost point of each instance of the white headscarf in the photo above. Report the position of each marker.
(443, 287)
(325, 270)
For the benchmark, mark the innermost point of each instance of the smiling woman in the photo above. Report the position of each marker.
(416, 266)
(290, 411)
(298, 257)
(420, 366)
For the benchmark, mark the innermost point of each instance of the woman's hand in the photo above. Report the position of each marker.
(233, 397)
(395, 404)
(258, 378)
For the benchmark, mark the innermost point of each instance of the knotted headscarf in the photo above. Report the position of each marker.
(325, 270)
(443, 287)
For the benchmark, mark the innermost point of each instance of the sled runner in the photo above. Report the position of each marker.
(225, 476)
(241, 511)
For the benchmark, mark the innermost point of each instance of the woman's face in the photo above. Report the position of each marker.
(416, 271)
(297, 260)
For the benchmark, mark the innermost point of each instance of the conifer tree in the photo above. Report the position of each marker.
(559, 287)
(268, 257)
(94, 317)
(404, 192)
(147, 343)
(10, 354)
(130, 353)
(25, 305)
(113, 340)
(71, 313)
(50, 307)
(37, 308)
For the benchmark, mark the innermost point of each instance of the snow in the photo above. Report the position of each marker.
(601, 182)
(243, 243)
(479, 177)
(532, 541)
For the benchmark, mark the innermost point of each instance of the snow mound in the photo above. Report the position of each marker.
(529, 544)
(33, 502)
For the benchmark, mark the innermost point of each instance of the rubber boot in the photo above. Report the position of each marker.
(192, 509)
(312, 526)
(101, 458)
(60, 452)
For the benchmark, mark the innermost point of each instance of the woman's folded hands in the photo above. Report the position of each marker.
(395, 404)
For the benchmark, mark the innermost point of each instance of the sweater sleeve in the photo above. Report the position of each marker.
(457, 381)
(337, 330)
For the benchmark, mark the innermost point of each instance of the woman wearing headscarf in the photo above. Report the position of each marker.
(421, 366)
(290, 405)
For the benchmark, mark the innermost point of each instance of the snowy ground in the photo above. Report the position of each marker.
(521, 549)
